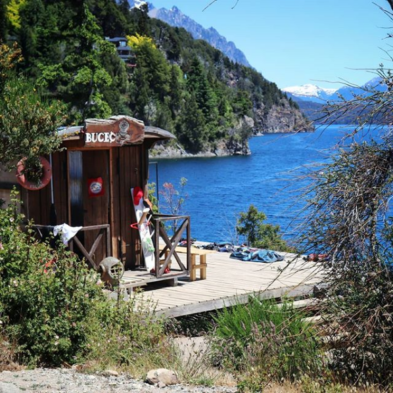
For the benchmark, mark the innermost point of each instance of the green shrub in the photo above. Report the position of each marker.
(127, 335)
(53, 310)
(251, 224)
(45, 295)
(264, 341)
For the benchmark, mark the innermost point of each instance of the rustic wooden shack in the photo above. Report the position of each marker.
(116, 151)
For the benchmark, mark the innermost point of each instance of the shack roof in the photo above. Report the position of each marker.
(78, 133)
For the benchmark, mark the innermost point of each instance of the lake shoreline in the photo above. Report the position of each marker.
(223, 148)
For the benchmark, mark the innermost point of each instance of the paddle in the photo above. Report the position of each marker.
(52, 214)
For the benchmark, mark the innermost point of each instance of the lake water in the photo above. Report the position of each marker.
(219, 188)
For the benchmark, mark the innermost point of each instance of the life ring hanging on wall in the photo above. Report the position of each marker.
(30, 185)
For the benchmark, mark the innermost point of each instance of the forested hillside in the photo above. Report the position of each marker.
(174, 82)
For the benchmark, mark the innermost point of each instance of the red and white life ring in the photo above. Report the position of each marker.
(29, 185)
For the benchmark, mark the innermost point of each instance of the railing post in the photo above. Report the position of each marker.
(108, 241)
(188, 245)
(157, 244)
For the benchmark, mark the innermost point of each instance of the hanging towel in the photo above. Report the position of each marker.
(67, 232)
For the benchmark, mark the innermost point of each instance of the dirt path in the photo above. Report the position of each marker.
(70, 381)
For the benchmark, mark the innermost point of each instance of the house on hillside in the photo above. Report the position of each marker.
(124, 51)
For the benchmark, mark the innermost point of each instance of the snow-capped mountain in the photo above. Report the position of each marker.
(320, 95)
(311, 92)
(348, 92)
(137, 3)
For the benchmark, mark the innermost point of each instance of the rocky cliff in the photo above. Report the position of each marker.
(221, 148)
(280, 118)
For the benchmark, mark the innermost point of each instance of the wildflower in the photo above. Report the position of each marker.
(1, 246)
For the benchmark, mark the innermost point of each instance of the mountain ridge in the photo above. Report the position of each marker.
(176, 18)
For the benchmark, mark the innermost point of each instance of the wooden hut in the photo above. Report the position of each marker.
(116, 151)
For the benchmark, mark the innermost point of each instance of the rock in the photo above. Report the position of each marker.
(162, 376)
(9, 388)
(110, 373)
(249, 121)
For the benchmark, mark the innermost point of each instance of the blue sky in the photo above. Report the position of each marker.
(294, 42)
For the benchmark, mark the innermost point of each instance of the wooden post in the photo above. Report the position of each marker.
(189, 264)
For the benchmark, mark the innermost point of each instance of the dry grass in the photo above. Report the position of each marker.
(7, 357)
(193, 363)
(311, 386)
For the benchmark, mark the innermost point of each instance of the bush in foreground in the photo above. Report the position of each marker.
(53, 311)
(266, 342)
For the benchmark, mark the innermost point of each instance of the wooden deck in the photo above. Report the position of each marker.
(229, 281)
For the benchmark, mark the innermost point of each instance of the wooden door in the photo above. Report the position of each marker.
(129, 175)
(96, 209)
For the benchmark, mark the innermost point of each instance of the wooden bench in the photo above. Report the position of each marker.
(194, 266)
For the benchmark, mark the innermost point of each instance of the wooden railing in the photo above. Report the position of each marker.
(162, 258)
(74, 243)
(169, 250)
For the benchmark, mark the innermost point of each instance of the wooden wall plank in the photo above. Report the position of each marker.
(114, 201)
(33, 201)
(129, 178)
(60, 186)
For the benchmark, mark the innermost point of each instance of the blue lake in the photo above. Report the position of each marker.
(219, 188)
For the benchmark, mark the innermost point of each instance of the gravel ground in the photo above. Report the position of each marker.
(71, 381)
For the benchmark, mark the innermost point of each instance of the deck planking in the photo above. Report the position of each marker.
(230, 281)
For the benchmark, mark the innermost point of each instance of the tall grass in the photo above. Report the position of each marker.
(263, 341)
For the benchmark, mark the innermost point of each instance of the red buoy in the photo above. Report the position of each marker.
(31, 185)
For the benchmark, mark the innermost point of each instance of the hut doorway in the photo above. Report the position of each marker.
(89, 169)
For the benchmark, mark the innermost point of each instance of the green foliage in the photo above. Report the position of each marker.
(28, 123)
(180, 84)
(3, 20)
(349, 220)
(152, 196)
(264, 341)
(13, 11)
(45, 295)
(127, 335)
(76, 73)
(191, 130)
(53, 308)
(251, 224)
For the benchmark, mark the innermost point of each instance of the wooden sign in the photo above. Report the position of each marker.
(114, 132)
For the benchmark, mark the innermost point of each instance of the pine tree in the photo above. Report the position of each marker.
(198, 85)
(3, 21)
(175, 91)
(191, 129)
(13, 12)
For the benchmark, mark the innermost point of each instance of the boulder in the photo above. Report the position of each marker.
(110, 373)
(162, 376)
